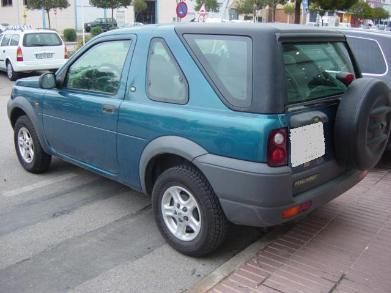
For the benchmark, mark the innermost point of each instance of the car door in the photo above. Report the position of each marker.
(80, 118)
(3, 50)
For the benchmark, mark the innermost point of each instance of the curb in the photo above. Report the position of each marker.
(212, 279)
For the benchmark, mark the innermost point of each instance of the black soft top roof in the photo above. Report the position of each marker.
(253, 28)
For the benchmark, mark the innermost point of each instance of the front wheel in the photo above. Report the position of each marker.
(187, 211)
(28, 148)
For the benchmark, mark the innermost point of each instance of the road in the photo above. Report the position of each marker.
(72, 230)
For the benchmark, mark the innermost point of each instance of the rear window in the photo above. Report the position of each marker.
(372, 63)
(41, 40)
(311, 70)
(228, 62)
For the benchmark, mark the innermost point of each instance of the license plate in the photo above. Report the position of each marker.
(307, 143)
(44, 55)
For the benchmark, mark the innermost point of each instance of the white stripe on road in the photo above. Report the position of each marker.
(37, 185)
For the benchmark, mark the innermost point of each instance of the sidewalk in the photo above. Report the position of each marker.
(344, 246)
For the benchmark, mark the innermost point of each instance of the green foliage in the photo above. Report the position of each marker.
(247, 6)
(289, 9)
(47, 5)
(332, 5)
(379, 13)
(111, 4)
(96, 30)
(361, 10)
(69, 35)
(139, 6)
(210, 5)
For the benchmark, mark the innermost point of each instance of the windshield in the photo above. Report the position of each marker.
(41, 39)
(312, 69)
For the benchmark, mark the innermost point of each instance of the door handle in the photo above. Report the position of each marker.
(108, 109)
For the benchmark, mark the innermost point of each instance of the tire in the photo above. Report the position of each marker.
(213, 225)
(11, 74)
(363, 124)
(38, 161)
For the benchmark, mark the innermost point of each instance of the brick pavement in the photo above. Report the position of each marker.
(344, 246)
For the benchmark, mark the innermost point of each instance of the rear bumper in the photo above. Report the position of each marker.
(36, 66)
(254, 194)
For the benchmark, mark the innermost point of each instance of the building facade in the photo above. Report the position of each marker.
(14, 12)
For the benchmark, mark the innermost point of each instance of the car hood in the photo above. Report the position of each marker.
(28, 82)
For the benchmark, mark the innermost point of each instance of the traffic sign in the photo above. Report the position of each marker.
(181, 9)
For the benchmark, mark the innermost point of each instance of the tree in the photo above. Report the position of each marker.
(46, 5)
(297, 11)
(248, 6)
(361, 10)
(332, 5)
(273, 5)
(210, 5)
(289, 10)
(379, 13)
(139, 6)
(110, 4)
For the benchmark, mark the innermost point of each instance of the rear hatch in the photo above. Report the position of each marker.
(317, 74)
(42, 47)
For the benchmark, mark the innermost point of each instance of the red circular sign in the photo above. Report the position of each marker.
(181, 9)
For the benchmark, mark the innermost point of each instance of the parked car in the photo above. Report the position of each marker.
(372, 51)
(251, 124)
(30, 50)
(104, 23)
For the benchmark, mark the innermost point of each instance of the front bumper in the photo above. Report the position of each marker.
(254, 194)
(29, 66)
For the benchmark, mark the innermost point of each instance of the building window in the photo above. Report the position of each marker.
(6, 3)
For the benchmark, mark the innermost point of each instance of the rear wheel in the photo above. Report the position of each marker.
(187, 211)
(11, 74)
(28, 148)
(363, 124)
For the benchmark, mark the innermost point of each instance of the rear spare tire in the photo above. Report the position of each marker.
(362, 124)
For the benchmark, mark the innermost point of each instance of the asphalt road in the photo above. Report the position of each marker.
(72, 230)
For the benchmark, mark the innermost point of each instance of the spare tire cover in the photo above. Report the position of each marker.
(362, 124)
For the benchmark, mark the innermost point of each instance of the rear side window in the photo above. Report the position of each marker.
(311, 70)
(228, 62)
(369, 55)
(14, 40)
(41, 40)
(165, 80)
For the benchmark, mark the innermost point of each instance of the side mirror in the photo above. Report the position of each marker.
(47, 81)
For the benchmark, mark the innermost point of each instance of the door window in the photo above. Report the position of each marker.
(370, 63)
(100, 68)
(165, 80)
(5, 40)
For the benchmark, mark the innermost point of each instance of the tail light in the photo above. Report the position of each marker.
(65, 53)
(19, 55)
(345, 77)
(277, 152)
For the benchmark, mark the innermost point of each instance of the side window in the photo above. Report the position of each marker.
(5, 40)
(370, 63)
(100, 68)
(165, 80)
(14, 40)
(228, 62)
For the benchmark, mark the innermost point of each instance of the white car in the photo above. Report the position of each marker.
(30, 50)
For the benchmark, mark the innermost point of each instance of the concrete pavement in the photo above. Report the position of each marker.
(72, 230)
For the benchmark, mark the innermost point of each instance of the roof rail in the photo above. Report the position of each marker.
(17, 27)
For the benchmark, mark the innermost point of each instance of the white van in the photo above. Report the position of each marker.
(30, 50)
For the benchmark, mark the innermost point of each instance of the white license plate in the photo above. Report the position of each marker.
(44, 55)
(307, 143)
